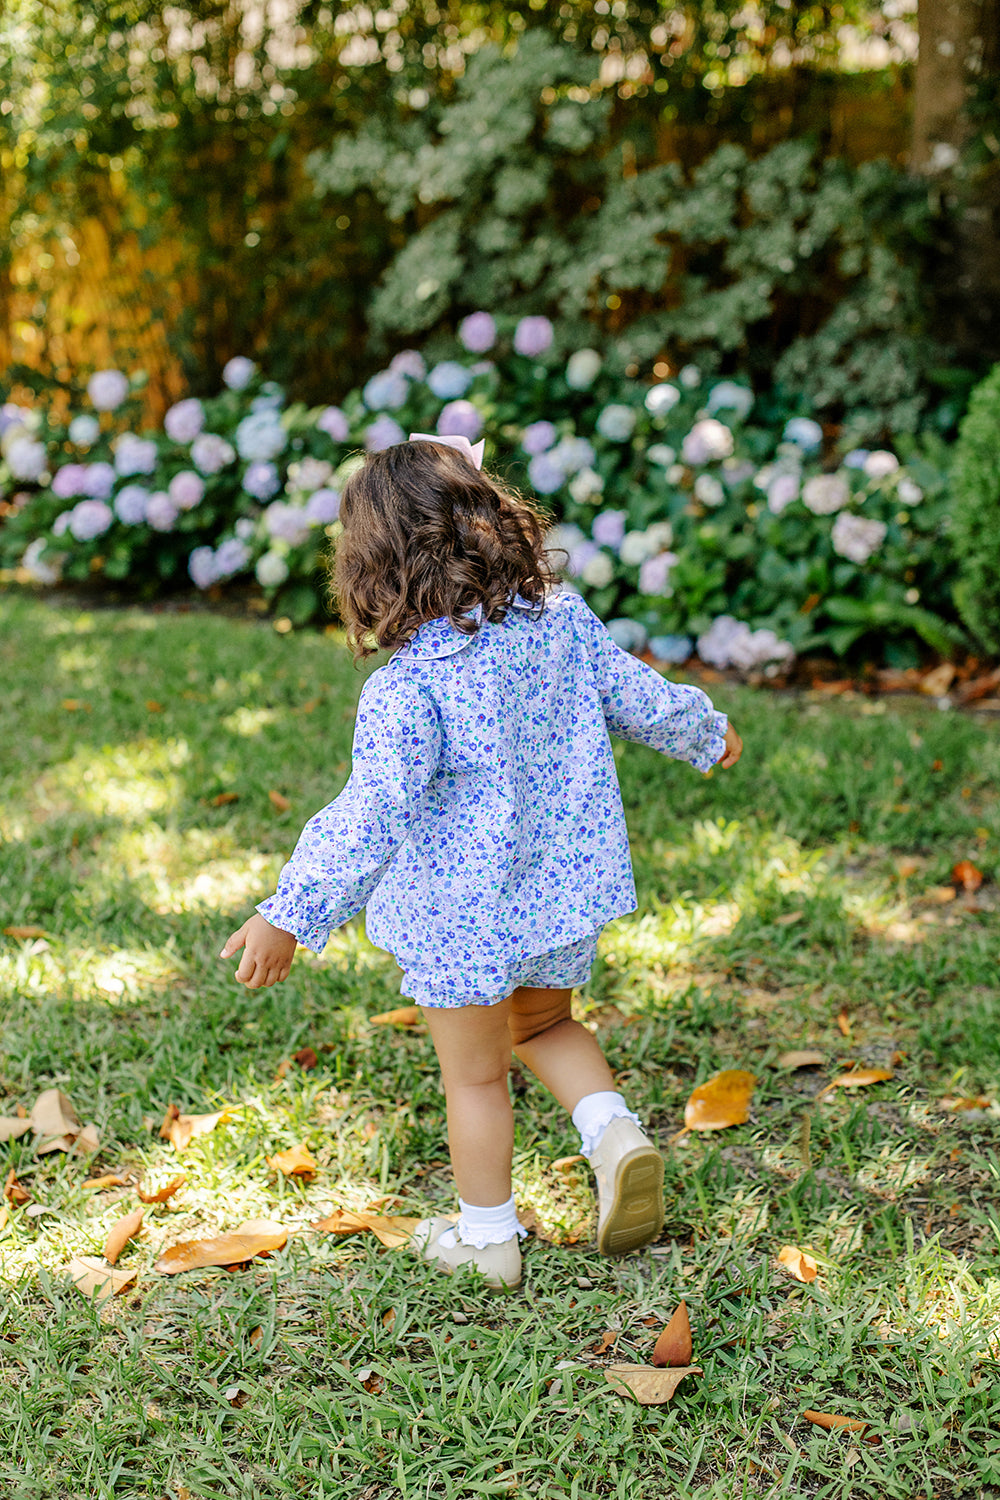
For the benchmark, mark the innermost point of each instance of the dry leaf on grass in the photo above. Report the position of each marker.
(120, 1234)
(11, 1128)
(797, 1263)
(939, 895)
(649, 1387)
(843, 1021)
(162, 1194)
(966, 875)
(55, 1120)
(605, 1341)
(831, 1420)
(4, 1216)
(87, 1142)
(25, 933)
(256, 1237)
(801, 1059)
(393, 1232)
(278, 801)
(13, 1192)
(566, 1163)
(673, 1347)
(95, 1278)
(938, 680)
(225, 798)
(721, 1101)
(405, 1015)
(180, 1129)
(97, 1184)
(298, 1161)
(306, 1058)
(858, 1078)
(956, 1105)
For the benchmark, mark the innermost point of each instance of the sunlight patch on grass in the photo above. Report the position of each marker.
(893, 1171)
(81, 973)
(127, 781)
(247, 722)
(183, 870)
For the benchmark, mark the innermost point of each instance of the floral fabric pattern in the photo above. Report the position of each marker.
(482, 823)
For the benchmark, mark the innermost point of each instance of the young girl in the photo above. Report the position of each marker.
(482, 825)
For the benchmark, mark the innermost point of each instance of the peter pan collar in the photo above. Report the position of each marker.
(439, 638)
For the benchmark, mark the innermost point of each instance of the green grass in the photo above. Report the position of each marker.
(771, 903)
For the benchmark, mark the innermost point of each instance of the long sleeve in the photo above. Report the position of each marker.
(639, 704)
(344, 851)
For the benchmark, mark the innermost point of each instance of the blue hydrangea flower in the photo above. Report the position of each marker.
(804, 433)
(260, 437)
(130, 504)
(386, 391)
(545, 474)
(262, 481)
(449, 380)
(537, 437)
(728, 395)
(616, 423)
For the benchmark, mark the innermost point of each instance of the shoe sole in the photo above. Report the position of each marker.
(636, 1214)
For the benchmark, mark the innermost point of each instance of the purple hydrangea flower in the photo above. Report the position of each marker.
(90, 518)
(130, 504)
(262, 481)
(83, 431)
(211, 453)
(186, 489)
(17, 416)
(201, 567)
(409, 362)
(384, 432)
(184, 420)
(449, 380)
(460, 419)
(582, 554)
(323, 506)
(545, 474)
(69, 481)
(478, 332)
(533, 336)
(238, 372)
(161, 512)
(231, 556)
(134, 455)
(61, 522)
(609, 528)
(537, 437)
(107, 389)
(782, 490)
(856, 538)
(261, 437)
(289, 523)
(654, 573)
(386, 391)
(308, 474)
(99, 481)
(332, 421)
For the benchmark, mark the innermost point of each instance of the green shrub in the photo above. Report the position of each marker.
(976, 520)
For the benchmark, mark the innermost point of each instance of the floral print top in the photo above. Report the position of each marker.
(482, 823)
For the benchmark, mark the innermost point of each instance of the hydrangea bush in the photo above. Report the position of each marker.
(690, 514)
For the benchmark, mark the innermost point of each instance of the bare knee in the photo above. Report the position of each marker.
(534, 1011)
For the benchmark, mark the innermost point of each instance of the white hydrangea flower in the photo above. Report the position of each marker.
(184, 420)
(599, 571)
(636, 547)
(616, 423)
(804, 433)
(271, 570)
(729, 396)
(675, 473)
(782, 490)
(238, 372)
(660, 535)
(628, 634)
(824, 494)
(880, 464)
(586, 485)
(210, 453)
(564, 537)
(856, 538)
(908, 493)
(661, 454)
(25, 458)
(34, 564)
(582, 369)
(709, 490)
(134, 455)
(661, 399)
(309, 474)
(689, 377)
(708, 441)
(107, 389)
(84, 430)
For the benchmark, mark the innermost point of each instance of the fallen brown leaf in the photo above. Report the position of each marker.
(256, 1237)
(55, 1120)
(649, 1387)
(181, 1129)
(788, 918)
(721, 1101)
(605, 1341)
(11, 1128)
(389, 1319)
(87, 1142)
(844, 1021)
(306, 1058)
(939, 895)
(120, 1234)
(937, 682)
(797, 1263)
(95, 1278)
(298, 1161)
(956, 1105)
(673, 1347)
(393, 1232)
(830, 1420)
(858, 1078)
(162, 1194)
(13, 1191)
(566, 1163)
(4, 1216)
(803, 1059)
(278, 801)
(908, 866)
(966, 875)
(96, 1184)
(24, 933)
(224, 799)
(405, 1015)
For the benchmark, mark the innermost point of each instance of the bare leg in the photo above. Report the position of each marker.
(473, 1047)
(560, 1052)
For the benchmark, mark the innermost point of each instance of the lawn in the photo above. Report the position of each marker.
(803, 900)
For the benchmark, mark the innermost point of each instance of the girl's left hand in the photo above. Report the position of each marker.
(267, 952)
(733, 750)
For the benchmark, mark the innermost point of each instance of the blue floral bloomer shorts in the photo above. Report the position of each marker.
(561, 969)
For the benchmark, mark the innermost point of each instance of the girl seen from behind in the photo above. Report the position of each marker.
(482, 825)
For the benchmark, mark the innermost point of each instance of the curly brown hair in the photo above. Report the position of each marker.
(426, 535)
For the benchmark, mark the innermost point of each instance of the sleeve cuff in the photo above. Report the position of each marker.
(712, 745)
(312, 935)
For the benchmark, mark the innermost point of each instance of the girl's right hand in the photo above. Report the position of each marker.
(267, 952)
(733, 750)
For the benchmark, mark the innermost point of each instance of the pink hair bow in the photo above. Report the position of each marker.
(461, 444)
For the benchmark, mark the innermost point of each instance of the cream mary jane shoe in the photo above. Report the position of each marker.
(629, 1172)
(499, 1265)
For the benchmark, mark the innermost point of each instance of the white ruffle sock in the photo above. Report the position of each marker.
(594, 1113)
(483, 1226)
